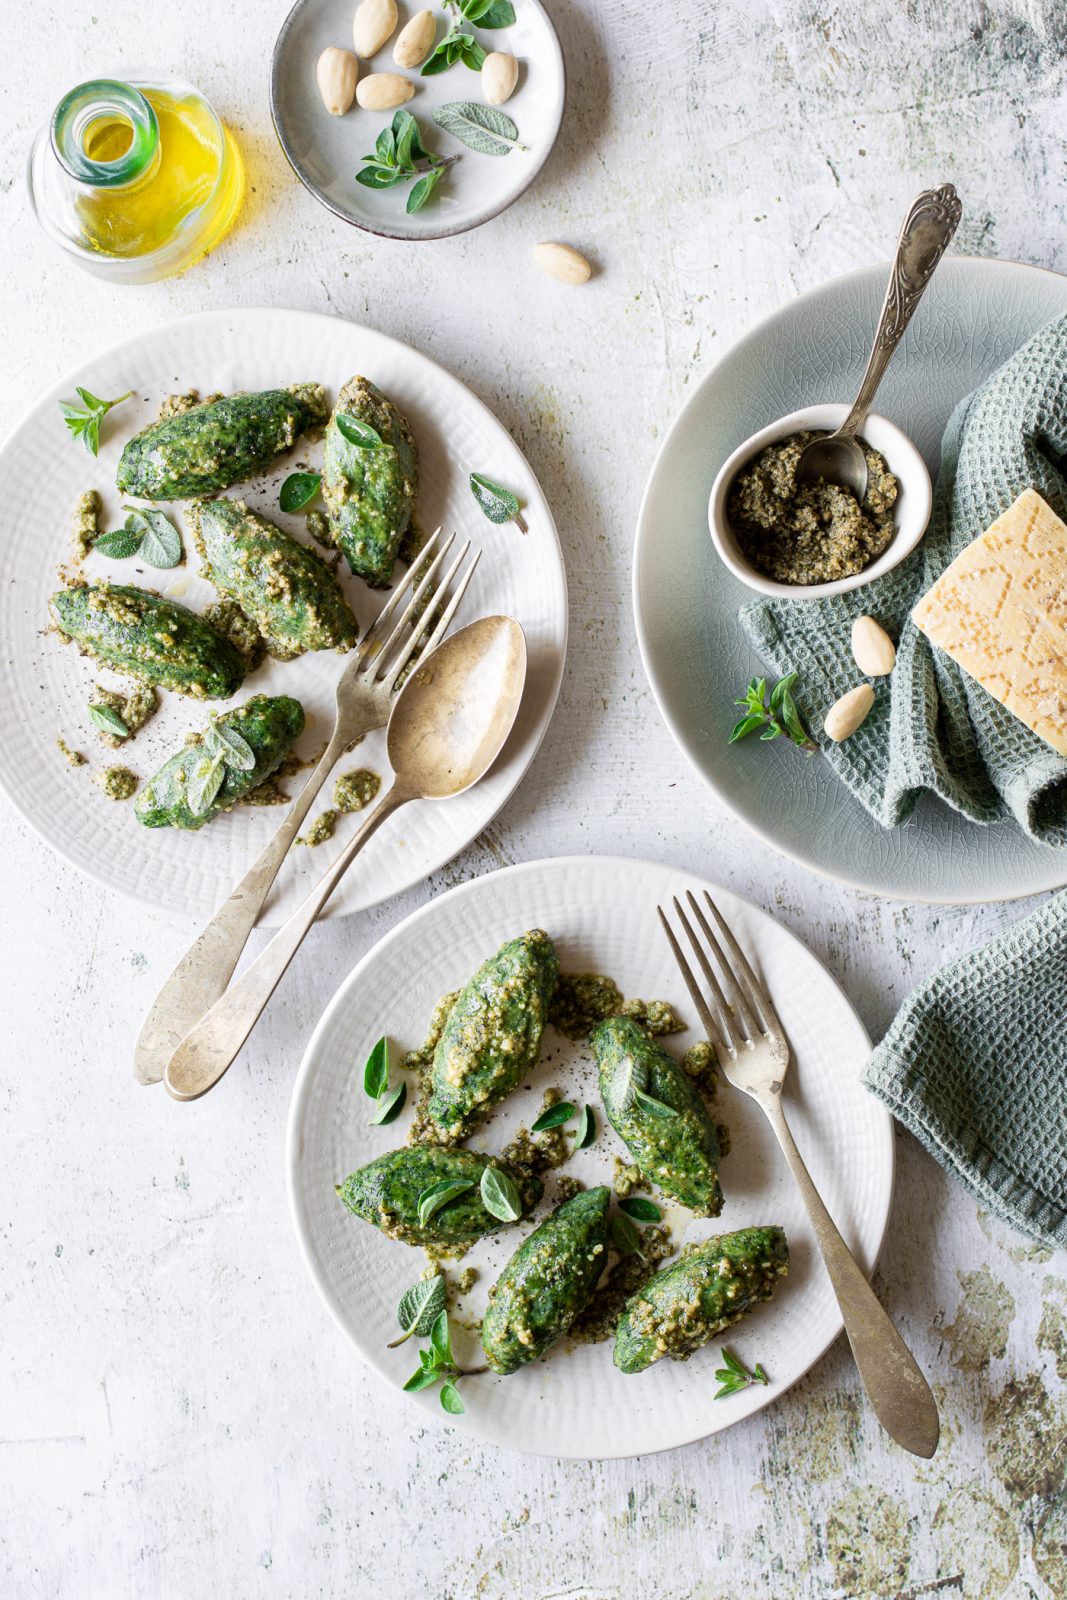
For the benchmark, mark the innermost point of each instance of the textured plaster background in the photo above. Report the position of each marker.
(177, 1415)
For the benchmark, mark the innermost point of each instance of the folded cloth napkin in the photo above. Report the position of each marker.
(933, 727)
(975, 1065)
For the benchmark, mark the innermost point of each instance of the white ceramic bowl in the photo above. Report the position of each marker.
(912, 507)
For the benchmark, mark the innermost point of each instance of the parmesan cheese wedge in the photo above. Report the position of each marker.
(1000, 612)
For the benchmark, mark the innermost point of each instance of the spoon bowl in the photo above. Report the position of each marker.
(834, 459)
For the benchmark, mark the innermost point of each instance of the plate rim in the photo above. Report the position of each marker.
(884, 1123)
(484, 216)
(68, 380)
(982, 264)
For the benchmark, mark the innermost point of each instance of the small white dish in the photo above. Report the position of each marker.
(912, 507)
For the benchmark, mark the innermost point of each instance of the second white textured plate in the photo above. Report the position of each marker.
(45, 685)
(601, 913)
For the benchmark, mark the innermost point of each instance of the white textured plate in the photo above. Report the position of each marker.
(44, 684)
(326, 152)
(697, 657)
(601, 913)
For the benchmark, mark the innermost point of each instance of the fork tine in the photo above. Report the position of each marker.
(757, 993)
(748, 1008)
(453, 606)
(410, 611)
(424, 621)
(728, 1026)
(368, 640)
(703, 1010)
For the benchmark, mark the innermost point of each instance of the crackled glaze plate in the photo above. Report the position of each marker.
(600, 911)
(45, 685)
(686, 602)
(326, 152)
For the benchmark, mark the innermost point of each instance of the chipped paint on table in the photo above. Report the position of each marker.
(180, 1417)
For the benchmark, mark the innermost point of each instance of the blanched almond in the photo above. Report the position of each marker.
(500, 74)
(337, 73)
(373, 23)
(874, 651)
(415, 40)
(562, 262)
(846, 714)
(383, 90)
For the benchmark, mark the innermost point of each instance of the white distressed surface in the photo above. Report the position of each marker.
(177, 1415)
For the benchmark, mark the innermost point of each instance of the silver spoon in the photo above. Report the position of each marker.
(447, 728)
(932, 219)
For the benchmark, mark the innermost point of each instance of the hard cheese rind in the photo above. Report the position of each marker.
(1000, 612)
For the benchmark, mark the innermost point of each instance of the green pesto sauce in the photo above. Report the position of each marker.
(319, 529)
(354, 790)
(134, 705)
(628, 1274)
(227, 618)
(628, 1178)
(321, 829)
(809, 532)
(118, 783)
(538, 1153)
(73, 758)
(86, 527)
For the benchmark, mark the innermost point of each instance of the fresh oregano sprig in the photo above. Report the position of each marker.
(389, 1101)
(221, 747)
(84, 420)
(298, 490)
(775, 716)
(399, 157)
(734, 1376)
(437, 1363)
(554, 1117)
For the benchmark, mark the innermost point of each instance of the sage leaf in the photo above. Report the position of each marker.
(424, 1378)
(586, 1130)
(358, 433)
(419, 1308)
(439, 1194)
(107, 719)
(654, 1107)
(376, 1071)
(298, 490)
(205, 780)
(624, 1236)
(641, 1210)
(483, 129)
(496, 503)
(451, 1401)
(232, 746)
(390, 1105)
(500, 1197)
(119, 545)
(161, 543)
(554, 1117)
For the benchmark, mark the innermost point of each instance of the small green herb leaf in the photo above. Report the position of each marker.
(498, 14)
(772, 717)
(423, 190)
(439, 1194)
(624, 1236)
(585, 1133)
(500, 1197)
(120, 544)
(84, 420)
(654, 1107)
(497, 503)
(641, 1210)
(107, 719)
(358, 433)
(298, 490)
(554, 1117)
(376, 1071)
(205, 780)
(483, 129)
(424, 1378)
(451, 1401)
(375, 177)
(734, 1376)
(390, 1105)
(419, 1308)
(232, 746)
(161, 543)
(441, 1339)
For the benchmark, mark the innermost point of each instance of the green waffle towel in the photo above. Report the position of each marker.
(932, 726)
(975, 1065)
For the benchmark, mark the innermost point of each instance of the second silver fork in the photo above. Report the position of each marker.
(365, 693)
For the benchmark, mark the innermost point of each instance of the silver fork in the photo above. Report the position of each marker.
(754, 1054)
(365, 692)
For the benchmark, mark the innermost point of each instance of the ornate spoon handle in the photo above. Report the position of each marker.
(932, 219)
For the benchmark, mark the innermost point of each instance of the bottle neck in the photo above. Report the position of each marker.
(105, 134)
